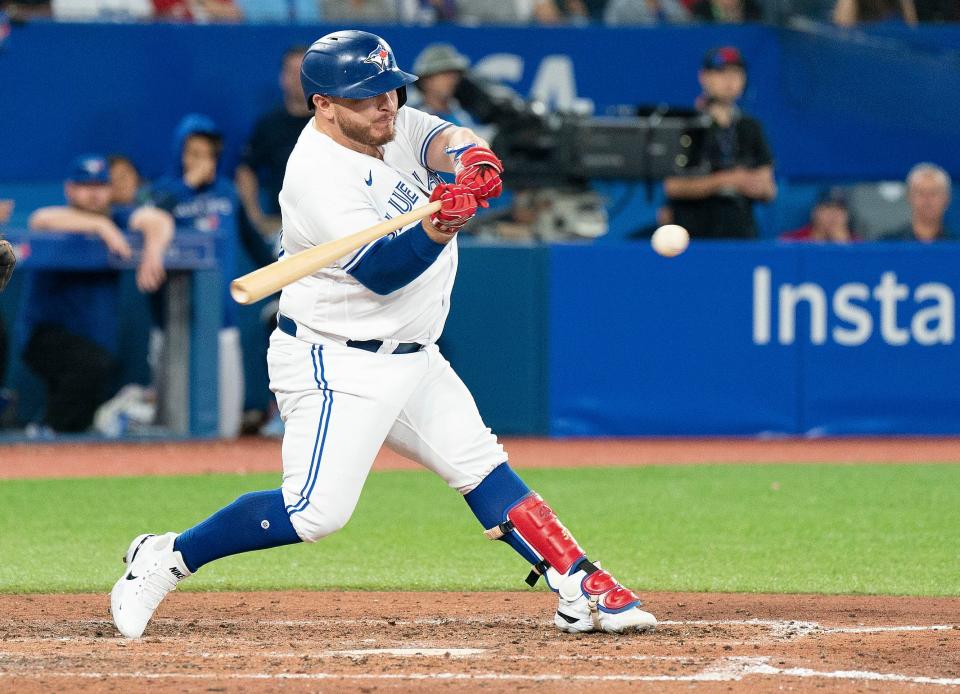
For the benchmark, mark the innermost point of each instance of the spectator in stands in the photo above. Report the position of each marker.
(440, 68)
(125, 180)
(359, 11)
(428, 11)
(259, 176)
(197, 10)
(631, 12)
(788, 11)
(936, 11)
(126, 186)
(24, 10)
(202, 200)
(561, 12)
(285, 11)
(928, 193)
(848, 13)
(726, 11)
(719, 204)
(829, 221)
(595, 9)
(7, 262)
(518, 11)
(71, 317)
(98, 10)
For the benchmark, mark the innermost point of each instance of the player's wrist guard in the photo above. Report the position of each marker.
(479, 169)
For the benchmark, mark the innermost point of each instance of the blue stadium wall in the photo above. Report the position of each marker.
(605, 339)
(835, 104)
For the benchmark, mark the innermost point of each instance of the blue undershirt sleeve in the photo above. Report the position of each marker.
(396, 261)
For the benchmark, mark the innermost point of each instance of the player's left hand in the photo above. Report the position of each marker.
(7, 262)
(479, 169)
(458, 205)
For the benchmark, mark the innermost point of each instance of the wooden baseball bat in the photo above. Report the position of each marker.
(273, 277)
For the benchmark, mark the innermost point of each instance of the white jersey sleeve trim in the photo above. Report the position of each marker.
(428, 139)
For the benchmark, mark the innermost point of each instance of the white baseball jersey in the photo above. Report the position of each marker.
(339, 404)
(330, 191)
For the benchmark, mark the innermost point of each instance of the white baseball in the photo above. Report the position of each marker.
(670, 240)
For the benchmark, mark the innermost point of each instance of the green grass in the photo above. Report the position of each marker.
(797, 528)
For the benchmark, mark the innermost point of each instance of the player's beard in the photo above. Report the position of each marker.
(364, 134)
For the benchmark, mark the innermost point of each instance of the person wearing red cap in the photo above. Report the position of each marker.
(715, 199)
(726, 11)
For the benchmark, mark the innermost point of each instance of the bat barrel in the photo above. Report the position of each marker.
(241, 292)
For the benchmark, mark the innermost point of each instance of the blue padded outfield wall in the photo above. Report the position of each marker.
(841, 105)
(754, 338)
(728, 338)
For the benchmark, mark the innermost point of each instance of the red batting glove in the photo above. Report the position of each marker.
(479, 169)
(458, 205)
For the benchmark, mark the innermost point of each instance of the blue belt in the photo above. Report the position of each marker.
(289, 326)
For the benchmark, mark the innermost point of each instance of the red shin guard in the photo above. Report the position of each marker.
(539, 527)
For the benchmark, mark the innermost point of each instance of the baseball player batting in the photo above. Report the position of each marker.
(354, 362)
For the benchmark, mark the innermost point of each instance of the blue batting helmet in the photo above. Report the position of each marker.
(353, 65)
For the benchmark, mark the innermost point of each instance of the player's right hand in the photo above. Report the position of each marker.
(457, 207)
(479, 169)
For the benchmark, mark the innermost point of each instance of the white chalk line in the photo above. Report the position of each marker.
(784, 628)
(724, 670)
(355, 654)
(779, 628)
(776, 625)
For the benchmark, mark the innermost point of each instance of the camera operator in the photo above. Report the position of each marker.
(719, 204)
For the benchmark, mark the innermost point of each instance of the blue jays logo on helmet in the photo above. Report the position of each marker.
(380, 57)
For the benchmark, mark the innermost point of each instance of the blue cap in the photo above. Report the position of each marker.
(89, 169)
(722, 57)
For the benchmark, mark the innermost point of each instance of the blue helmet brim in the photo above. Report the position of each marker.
(388, 80)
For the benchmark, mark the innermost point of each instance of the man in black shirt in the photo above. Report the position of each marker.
(719, 204)
(259, 177)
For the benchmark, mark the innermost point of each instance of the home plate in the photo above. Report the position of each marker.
(411, 652)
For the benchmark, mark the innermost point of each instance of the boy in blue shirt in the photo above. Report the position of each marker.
(202, 200)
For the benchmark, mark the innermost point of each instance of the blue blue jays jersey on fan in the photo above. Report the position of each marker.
(210, 208)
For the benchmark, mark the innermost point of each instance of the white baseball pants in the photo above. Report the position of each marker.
(339, 404)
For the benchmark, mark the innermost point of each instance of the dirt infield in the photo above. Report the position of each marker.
(263, 455)
(488, 642)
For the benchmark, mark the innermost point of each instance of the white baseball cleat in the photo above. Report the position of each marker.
(153, 570)
(596, 602)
